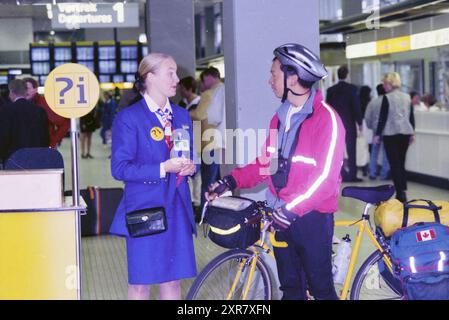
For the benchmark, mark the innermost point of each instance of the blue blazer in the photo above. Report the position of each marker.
(136, 158)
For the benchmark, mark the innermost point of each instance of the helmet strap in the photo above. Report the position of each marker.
(287, 90)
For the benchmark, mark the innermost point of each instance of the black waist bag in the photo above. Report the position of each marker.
(234, 222)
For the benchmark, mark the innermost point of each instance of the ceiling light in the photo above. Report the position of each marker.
(142, 38)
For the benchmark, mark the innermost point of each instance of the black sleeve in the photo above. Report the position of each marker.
(383, 116)
(412, 116)
(329, 96)
(5, 120)
(45, 133)
(356, 108)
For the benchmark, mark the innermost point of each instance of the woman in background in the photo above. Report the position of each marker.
(397, 131)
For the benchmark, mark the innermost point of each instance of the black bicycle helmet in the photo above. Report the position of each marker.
(307, 65)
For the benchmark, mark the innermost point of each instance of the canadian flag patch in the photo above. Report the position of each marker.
(425, 235)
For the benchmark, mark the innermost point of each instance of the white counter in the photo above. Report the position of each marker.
(430, 153)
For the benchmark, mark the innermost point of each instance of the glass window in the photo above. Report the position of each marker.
(41, 68)
(63, 54)
(128, 52)
(411, 73)
(88, 64)
(84, 53)
(106, 53)
(104, 78)
(107, 67)
(40, 54)
(128, 66)
(118, 78)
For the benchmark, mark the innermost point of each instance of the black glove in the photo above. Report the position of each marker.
(228, 183)
(282, 219)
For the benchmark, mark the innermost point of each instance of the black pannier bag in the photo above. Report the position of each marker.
(234, 222)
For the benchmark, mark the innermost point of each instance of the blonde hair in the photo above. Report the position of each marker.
(393, 78)
(151, 63)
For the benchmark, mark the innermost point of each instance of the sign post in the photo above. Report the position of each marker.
(72, 91)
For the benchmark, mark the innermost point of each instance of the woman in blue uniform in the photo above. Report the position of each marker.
(146, 157)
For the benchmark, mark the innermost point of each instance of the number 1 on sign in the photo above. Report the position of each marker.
(119, 8)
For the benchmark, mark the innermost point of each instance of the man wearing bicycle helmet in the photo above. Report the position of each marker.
(301, 164)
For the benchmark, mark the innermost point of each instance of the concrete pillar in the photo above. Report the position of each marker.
(171, 30)
(252, 30)
(210, 31)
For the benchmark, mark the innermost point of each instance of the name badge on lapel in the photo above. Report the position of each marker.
(157, 134)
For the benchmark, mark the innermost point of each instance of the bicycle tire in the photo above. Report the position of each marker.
(390, 285)
(213, 267)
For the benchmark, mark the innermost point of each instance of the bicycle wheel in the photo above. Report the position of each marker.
(375, 283)
(218, 278)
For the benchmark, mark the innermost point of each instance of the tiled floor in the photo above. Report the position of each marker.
(104, 258)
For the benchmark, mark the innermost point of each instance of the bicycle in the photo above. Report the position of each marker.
(243, 274)
(370, 282)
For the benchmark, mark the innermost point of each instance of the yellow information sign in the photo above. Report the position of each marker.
(393, 45)
(72, 90)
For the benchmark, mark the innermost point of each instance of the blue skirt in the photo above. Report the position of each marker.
(163, 257)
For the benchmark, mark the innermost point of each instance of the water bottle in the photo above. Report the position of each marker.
(341, 260)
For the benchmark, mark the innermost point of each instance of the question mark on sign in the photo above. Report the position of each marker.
(69, 85)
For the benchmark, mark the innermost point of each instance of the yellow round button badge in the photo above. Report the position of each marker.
(72, 90)
(157, 134)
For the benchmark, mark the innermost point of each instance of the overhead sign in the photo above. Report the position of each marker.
(393, 45)
(428, 39)
(71, 90)
(93, 15)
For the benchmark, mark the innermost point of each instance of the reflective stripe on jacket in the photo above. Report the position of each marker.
(314, 180)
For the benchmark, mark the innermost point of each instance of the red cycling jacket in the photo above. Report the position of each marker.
(314, 179)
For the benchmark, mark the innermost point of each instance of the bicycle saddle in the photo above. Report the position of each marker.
(371, 195)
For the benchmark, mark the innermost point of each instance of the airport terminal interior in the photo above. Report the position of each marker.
(370, 38)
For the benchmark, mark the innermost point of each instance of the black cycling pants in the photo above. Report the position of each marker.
(307, 261)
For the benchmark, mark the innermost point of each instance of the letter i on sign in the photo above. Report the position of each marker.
(80, 86)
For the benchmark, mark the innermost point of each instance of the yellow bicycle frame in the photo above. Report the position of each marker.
(253, 265)
(362, 228)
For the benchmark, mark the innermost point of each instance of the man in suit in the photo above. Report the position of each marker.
(5, 126)
(29, 123)
(344, 99)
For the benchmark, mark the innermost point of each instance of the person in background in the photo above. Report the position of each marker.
(417, 104)
(344, 99)
(4, 94)
(88, 125)
(146, 159)
(397, 131)
(212, 114)
(107, 116)
(57, 126)
(430, 102)
(365, 98)
(28, 123)
(130, 97)
(5, 128)
(190, 99)
(372, 119)
(117, 94)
